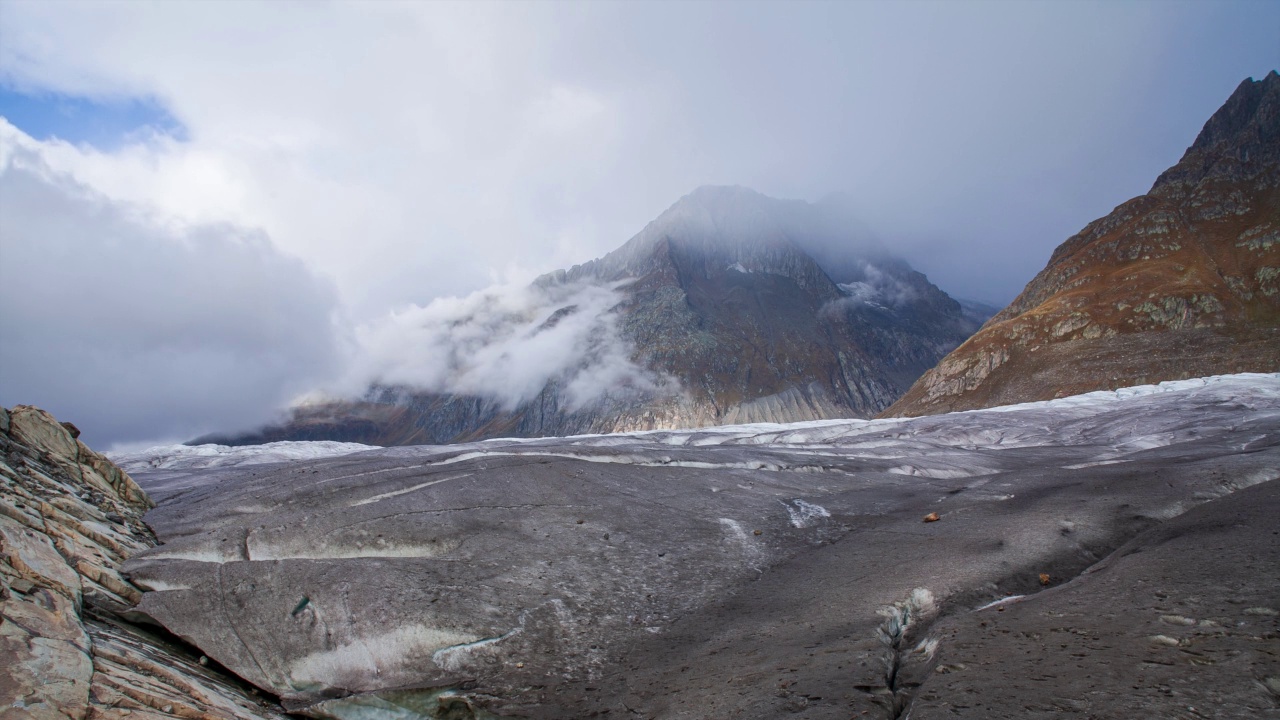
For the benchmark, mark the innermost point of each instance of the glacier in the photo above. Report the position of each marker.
(749, 570)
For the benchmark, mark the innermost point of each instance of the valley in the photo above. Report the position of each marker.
(751, 571)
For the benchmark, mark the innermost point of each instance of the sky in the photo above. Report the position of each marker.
(208, 209)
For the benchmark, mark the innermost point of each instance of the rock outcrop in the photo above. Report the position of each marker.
(1181, 282)
(71, 646)
(820, 571)
(751, 309)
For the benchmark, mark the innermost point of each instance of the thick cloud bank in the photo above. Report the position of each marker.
(141, 327)
(420, 149)
(136, 328)
(506, 343)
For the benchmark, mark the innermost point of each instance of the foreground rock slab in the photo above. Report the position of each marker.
(752, 572)
(68, 645)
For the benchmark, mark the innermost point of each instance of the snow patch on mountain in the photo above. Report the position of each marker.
(877, 288)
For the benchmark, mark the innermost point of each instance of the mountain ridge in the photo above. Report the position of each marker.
(722, 302)
(1183, 281)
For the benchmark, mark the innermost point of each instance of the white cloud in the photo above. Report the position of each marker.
(506, 343)
(873, 286)
(565, 109)
(389, 145)
(135, 326)
(418, 150)
(414, 151)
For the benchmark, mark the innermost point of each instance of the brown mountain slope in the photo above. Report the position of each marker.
(1181, 282)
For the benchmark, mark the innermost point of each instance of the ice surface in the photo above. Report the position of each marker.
(880, 439)
(194, 457)
(592, 543)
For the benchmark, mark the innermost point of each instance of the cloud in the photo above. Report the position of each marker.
(419, 150)
(102, 124)
(300, 123)
(871, 285)
(408, 152)
(135, 327)
(506, 343)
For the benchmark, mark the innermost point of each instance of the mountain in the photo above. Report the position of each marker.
(1181, 282)
(730, 307)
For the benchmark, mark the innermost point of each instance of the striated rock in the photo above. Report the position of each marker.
(754, 572)
(69, 519)
(1178, 283)
(751, 309)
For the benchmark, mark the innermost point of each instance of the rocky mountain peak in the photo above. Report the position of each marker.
(1181, 282)
(1238, 142)
(729, 307)
(1251, 106)
(726, 200)
(718, 227)
(721, 209)
(737, 217)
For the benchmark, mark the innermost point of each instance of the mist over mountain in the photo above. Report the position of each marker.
(729, 307)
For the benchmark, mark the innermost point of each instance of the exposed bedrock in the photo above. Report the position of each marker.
(69, 646)
(740, 572)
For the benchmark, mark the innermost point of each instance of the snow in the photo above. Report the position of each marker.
(1093, 417)
(803, 514)
(1100, 424)
(878, 288)
(612, 528)
(377, 654)
(197, 457)
(1260, 385)
(1002, 601)
(396, 493)
(861, 292)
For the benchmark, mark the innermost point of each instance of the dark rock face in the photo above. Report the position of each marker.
(71, 645)
(757, 310)
(1186, 279)
(755, 572)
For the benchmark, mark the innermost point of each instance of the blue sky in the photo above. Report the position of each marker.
(105, 124)
(412, 152)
